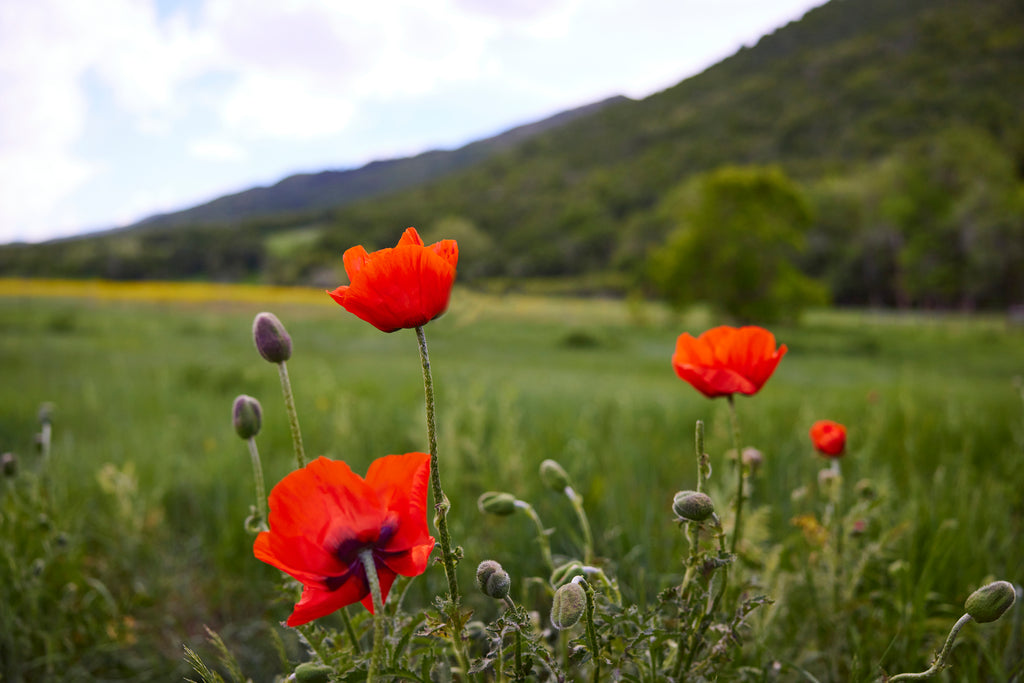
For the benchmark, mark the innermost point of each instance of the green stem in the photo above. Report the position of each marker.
(520, 674)
(581, 515)
(261, 489)
(591, 631)
(349, 630)
(293, 416)
(940, 660)
(737, 525)
(366, 555)
(441, 504)
(441, 507)
(542, 535)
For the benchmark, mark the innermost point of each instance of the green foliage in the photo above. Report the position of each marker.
(151, 484)
(738, 234)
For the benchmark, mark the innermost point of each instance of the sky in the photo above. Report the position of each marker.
(115, 110)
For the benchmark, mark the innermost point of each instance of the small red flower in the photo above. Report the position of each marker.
(404, 287)
(727, 360)
(829, 438)
(323, 515)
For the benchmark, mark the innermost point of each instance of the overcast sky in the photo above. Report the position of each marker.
(113, 110)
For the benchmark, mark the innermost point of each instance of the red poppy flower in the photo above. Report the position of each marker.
(727, 360)
(323, 515)
(829, 438)
(407, 286)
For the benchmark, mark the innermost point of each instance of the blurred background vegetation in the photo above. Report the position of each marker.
(896, 128)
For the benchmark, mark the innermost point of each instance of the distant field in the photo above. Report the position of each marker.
(149, 485)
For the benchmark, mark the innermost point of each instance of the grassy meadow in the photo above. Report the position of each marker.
(128, 540)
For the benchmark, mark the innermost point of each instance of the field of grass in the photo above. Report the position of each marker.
(129, 540)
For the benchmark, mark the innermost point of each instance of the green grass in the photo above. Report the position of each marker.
(147, 485)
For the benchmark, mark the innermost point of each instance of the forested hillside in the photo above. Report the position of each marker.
(900, 126)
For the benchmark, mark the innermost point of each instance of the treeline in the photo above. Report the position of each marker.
(898, 127)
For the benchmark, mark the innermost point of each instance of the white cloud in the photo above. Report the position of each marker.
(236, 74)
(216, 150)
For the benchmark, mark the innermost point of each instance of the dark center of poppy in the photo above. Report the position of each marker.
(348, 552)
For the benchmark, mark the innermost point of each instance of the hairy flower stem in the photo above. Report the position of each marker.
(520, 673)
(441, 504)
(940, 660)
(261, 488)
(693, 528)
(588, 539)
(293, 416)
(542, 535)
(591, 631)
(441, 507)
(738, 524)
(366, 556)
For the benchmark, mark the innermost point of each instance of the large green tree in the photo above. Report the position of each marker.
(737, 234)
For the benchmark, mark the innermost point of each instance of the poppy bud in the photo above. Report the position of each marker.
(493, 580)
(9, 464)
(568, 605)
(566, 572)
(272, 340)
(693, 506)
(46, 413)
(752, 458)
(553, 476)
(312, 672)
(496, 503)
(988, 603)
(247, 416)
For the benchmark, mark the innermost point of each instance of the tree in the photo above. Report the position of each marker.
(738, 232)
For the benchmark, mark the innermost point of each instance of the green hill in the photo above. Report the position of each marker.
(855, 92)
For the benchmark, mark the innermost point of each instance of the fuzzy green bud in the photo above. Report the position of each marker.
(272, 340)
(313, 672)
(493, 580)
(9, 464)
(247, 416)
(568, 605)
(693, 506)
(988, 603)
(496, 503)
(554, 476)
(566, 572)
(46, 413)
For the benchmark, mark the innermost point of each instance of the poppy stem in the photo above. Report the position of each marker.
(441, 507)
(261, 488)
(293, 416)
(940, 660)
(542, 534)
(366, 555)
(737, 526)
(441, 504)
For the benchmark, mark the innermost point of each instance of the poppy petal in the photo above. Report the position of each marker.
(400, 482)
(727, 360)
(386, 578)
(317, 602)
